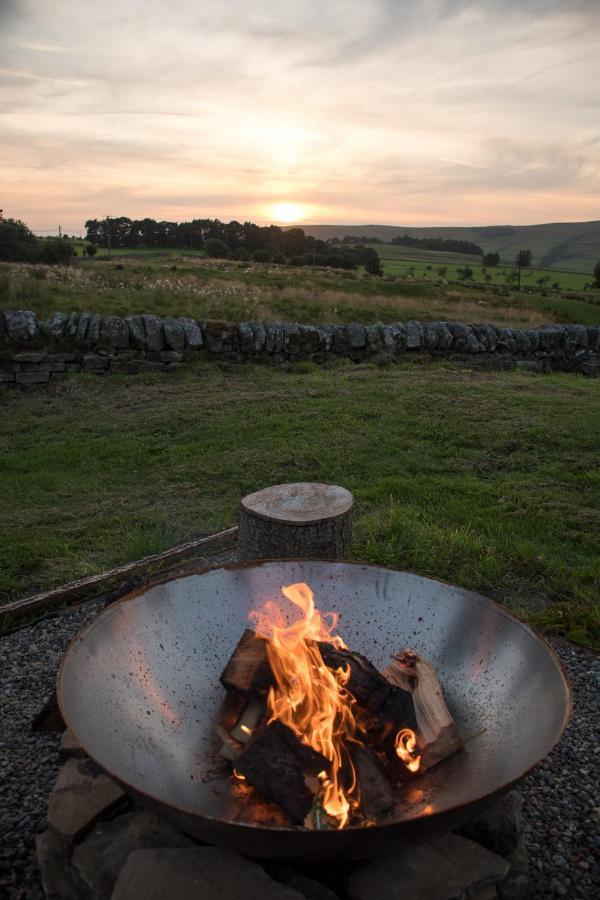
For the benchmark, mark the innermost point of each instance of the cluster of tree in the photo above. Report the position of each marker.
(448, 245)
(523, 259)
(231, 240)
(491, 259)
(19, 244)
(353, 239)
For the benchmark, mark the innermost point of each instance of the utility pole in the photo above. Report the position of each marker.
(108, 235)
(59, 233)
(519, 258)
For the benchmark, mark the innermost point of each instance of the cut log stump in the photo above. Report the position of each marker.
(305, 520)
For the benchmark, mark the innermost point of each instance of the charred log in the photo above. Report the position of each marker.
(275, 762)
(376, 795)
(368, 686)
(248, 670)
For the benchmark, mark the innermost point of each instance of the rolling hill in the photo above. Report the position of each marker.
(570, 246)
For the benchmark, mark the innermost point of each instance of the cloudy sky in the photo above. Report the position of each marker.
(346, 111)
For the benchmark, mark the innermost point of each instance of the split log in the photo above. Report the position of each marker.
(376, 793)
(248, 670)
(306, 520)
(250, 718)
(437, 734)
(275, 762)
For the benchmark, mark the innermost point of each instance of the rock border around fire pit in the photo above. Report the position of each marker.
(100, 845)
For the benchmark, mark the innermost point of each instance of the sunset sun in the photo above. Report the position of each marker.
(287, 212)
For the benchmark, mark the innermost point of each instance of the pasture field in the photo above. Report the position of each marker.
(426, 265)
(483, 479)
(188, 285)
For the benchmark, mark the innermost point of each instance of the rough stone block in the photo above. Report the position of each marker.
(576, 337)
(82, 793)
(431, 337)
(6, 377)
(170, 356)
(374, 338)
(69, 746)
(137, 332)
(499, 827)
(341, 339)
(444, 336)
(93, 332)
(54, 328)
(33, 376)
(274, 338)
(309, 340)
(414, 336)
(594, 336)
(114, 332)
(2, 326)
(20, 325)
(90, 361)
(174, 334)
(52, 853)
(192, 332)
(82, 327)
(551, 337)
(100, 856)
(220, 337)
(192, 873)
(56, 366)
(71, 326)
(260, 335)
(153, 328)
(506, 341)
(32, 357)
(326, 333)
(448, 868)
(357, 337)
(245, 337)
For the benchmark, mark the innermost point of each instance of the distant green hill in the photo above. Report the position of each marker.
(571, 246)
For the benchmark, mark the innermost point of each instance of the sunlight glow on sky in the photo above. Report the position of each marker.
(390, 112)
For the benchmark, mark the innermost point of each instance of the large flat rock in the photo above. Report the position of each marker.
(448, 868)
(201, 873)
(82, 793)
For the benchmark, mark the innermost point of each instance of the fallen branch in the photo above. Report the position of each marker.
(61, 594)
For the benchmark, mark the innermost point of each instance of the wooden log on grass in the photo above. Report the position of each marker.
(304, 520)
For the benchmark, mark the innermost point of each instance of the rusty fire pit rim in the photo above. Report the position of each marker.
(191, 570)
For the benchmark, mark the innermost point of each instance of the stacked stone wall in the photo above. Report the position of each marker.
(34, 352)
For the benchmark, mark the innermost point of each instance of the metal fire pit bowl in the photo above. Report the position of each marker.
(140, 688)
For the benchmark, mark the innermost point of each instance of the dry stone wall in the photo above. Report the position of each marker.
(34, 352)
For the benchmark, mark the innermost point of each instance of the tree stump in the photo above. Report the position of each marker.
(307, 520)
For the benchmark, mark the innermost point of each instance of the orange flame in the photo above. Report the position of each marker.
(406, 742)
(308, 697)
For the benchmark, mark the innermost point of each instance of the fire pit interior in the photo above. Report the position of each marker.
(140, 688)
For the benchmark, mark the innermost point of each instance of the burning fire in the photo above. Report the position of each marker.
(313, 700)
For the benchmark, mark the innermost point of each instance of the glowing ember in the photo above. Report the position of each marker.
(406, 743)
(313, 700)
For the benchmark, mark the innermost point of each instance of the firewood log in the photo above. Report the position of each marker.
(437, 734)
(248, 670)
(275, 762)
(376, 797)
(368, 686)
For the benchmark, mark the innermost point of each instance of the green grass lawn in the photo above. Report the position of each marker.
(487, 480)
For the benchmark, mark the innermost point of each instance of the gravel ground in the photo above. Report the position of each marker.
(562, 806)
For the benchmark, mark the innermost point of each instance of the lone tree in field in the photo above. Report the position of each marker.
(523, 260)
(597, 274)
(491, 259)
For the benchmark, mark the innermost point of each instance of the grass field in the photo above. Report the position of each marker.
(225, 290)
(486, 480)
(437, 267)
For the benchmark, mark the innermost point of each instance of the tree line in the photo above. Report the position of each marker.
(448, 245)
(19, 244)
(230, 240)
